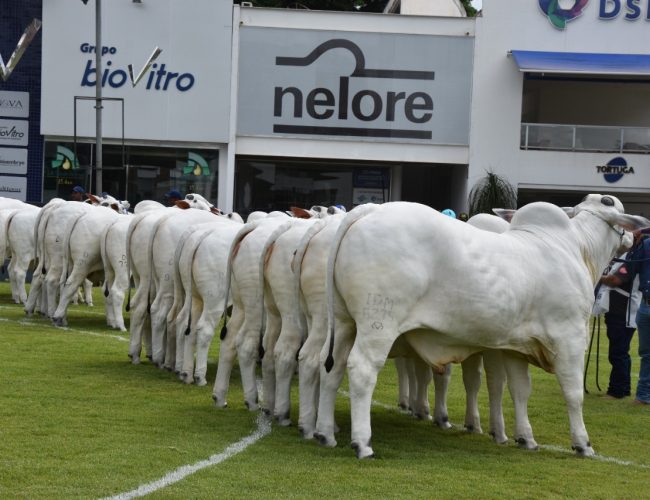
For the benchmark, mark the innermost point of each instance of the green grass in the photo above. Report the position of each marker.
(77, 420)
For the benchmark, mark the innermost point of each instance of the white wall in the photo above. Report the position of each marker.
(497, 94)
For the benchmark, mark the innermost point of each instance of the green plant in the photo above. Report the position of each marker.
(492, 191)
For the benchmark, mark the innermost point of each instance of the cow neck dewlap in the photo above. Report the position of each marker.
(597, 243)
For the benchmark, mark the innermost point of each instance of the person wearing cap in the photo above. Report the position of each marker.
(77, 193)
(463, 216)
(172, 197)
(449, 212)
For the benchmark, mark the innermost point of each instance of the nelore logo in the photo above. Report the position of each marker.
(615, 169)
(365, 105)
(559, 16)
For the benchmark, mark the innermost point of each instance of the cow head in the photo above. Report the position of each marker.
(198, 202)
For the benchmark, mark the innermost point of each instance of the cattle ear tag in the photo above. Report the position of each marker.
(154, 55)
(183, 204)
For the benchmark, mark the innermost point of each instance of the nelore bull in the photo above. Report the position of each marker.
(453, 290)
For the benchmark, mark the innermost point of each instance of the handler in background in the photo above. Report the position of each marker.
(623, 299)
(639, 264)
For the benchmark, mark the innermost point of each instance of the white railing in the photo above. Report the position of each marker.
(555, 137)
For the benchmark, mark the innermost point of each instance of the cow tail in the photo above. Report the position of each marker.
(104, 252)
(178, 276)
(299, 255)
(264, 258)
(66, 247)
(243, 232)
(39, 236)
(4, 231)
(137, 218)
(352, 217)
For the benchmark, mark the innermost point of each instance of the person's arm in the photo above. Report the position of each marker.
(611, 280)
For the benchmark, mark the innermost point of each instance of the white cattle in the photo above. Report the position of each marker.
(50, 230)
(456, 290)
(20, 244)
(151, 242)
(246, 324)
(200, 288)
(82, 254)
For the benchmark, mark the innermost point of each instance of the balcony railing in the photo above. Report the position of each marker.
(587, 138)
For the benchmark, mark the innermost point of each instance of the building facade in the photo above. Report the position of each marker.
(261, 109)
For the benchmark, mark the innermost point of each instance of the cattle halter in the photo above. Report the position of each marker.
(620, 234)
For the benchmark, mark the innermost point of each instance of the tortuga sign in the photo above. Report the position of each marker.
(560, 12)
(355, 86)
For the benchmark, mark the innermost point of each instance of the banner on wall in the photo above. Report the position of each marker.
(13, 161)
(13, 187)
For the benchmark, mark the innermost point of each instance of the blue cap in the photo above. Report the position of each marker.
(173, 194)
(78, 189)
(449, 212)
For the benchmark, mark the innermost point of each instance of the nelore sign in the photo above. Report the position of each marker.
(370, 86)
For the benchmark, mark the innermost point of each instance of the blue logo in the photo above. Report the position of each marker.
(615, 169)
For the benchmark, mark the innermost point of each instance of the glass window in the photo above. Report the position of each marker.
(134, 173)
(278, 184)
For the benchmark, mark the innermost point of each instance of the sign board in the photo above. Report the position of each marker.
(14, 132)
(14, 104)
(13, 187)
(387, 87)
(13, 161)
(184, 95)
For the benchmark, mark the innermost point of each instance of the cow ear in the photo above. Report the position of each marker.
(216, 211)
(93, 198)
(631, 222)
(182, 204)
(301, 213)
(115, 207)
(505, 213)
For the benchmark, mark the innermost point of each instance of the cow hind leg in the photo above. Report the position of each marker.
(520, 388)
(367, 357)
(472, 370)
(227, 354)
(441, 385)
(403, 383)
(309, 376)
(271, 334)
(285, 366)
(330, 382)
(495, 377)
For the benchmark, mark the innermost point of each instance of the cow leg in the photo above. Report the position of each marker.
(271, 334)
(520, 388)
(569, 368)
(367, 357)
(137, 324)
(19, 273)
(285, 366)
(403, 383)
(227, 353)
(330, 382)
(248, 344)
(68, 290)
(34, 291)
(309, 376)
(204, 334)
(88, 292)
(495, 377)
(159, 308)
(15, 295)
(52, 287)
(472, 371)
(190, 346)
(117, 301)
(440, 384)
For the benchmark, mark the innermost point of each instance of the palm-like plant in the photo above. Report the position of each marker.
(491, 192)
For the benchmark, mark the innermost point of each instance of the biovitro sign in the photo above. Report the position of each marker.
(561, 12)
(159, 78)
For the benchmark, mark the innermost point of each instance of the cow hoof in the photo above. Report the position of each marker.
(219, 403)
(283, 420)
(252, 406)
(149, 357)
(403, 407)
(473, 429)
(443, 422)
(135, 359)
(584, 451)
(527, 444)
(200, 381)
(362, 451)
(168, 368)
(324, 440)
(423, 416)
(185, 378)
(306, 434)
(500, 439)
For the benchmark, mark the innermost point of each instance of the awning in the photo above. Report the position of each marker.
(581, 63)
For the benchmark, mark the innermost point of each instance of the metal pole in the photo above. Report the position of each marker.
(98, 97)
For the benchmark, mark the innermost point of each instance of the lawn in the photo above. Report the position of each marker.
(78, 420)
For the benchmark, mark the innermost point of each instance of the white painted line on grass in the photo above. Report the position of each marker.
(25, 322)
(263, 429)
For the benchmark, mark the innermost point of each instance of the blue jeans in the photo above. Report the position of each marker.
(643, 327)
(619, 336)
